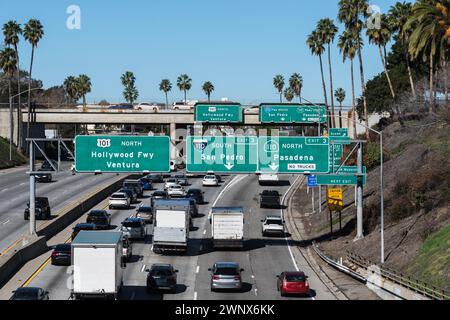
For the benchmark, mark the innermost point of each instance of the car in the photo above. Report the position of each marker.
(146, 107)
(197, 195)
(131, 193)
(62, 255)
(158, 195)
(121, 107)
(100, 218)
(182, 105)
(268, 179)
(147, 184)
(134, 228)
(218, 176)
(161, 277)
(30, 293)
(170, 182)
(273, 225)
(47, 166)
(270, 199)
(182, 180)
(155, 178)
(119, 200)
(127, 248)
(173, 166)
(176, 191)
(210, 181)
(136, 184)
(145, 213)
(42, 209)
(226, 276)
(43, 177)
(193, 207)
(82, 226)
(294, 283)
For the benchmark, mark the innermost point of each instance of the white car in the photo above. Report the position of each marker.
(188, 105)
(170, 182)
(273, 225)
(176, 191)
(134, 228)
(210, 181)
(147, 107)
(119, 200)
(268, 179)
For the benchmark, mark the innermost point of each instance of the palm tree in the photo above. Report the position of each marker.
(184, 83)
(83, 85)
(165, 86)
(347, 45)
(340, 97)
(327, 31)
(315, 44)
(398, 16)
(11, 32)
(289, 94)
(296, 84)
(8, 64)
(430, 29)
(278, 83)
(350, 13)
(380, 37)
(208, 88)
(130, 92)
(70, 85)
(32, 32)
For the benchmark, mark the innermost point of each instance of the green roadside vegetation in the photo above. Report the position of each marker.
(17, 158)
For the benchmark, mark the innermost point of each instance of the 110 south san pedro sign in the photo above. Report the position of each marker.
(122, 154)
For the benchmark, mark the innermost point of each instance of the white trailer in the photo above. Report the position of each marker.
(171, 225)
(98, 264)
(227, 227)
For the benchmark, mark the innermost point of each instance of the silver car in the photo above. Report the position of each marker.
(134, 228)
(226, 276)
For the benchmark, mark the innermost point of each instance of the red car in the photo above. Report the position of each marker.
(292, 283)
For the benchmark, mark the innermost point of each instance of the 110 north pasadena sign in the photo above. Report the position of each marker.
(122, 154)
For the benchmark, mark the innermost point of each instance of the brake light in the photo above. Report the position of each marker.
(237, 277)
(55, 254)
(216, 277)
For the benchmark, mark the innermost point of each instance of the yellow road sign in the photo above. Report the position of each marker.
(335, 199)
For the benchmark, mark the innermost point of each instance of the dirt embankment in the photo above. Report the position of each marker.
(417, 193)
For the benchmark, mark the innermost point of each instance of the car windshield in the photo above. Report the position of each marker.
(194, 191)
(118, 196)
(160, 272)
(226, 271)
(132, 224)
(171, 180)
(210, 177)
(96, 214)
(26, 294)
(145, 209)
(159, 194)
(175, 187)
(274, 221)
(295, 278)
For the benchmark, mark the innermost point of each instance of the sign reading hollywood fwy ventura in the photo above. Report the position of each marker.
(122, 154)
(222, 154)
(219, 113)
(292, 113)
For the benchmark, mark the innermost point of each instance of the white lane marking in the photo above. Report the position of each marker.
(235, 180)
(23, 183)
(6, 189)
(195, 295)
(6, 222)
(204, 232)
(253, 277)
(256, 292)
(282, 215)
(198, 269)
(143, 268)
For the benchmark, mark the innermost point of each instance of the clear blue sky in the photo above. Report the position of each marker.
(239, 45)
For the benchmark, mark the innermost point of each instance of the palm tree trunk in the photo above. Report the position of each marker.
(184, 96)
(167, 101)
(300, 95)
(281, 97)
(340, 115)
(431, 106)
(29, 93)
(324, 89)
(11, 119)
(387, 73)
(408, 66)
(333, 122)
(353, 100)
(19, 108)
(209, 97)
(363, 91)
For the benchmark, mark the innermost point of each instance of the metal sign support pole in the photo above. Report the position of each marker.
(320, 199)
(32, 192)
(359, 207)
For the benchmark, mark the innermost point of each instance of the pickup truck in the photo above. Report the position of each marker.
(270, 199)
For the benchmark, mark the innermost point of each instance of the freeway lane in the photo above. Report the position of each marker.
(14, 196)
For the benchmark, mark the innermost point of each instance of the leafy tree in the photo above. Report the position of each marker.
(296, 84)
(83, 87)
(8, 64)
(70, 86)
(184, 83)
(289, 94)
(208, 88)
(165, 86)
(340, 97)
(130, 92)
(278, 83)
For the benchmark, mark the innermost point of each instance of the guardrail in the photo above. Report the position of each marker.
(401, 279)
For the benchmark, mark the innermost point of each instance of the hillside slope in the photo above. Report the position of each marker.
(17, 158)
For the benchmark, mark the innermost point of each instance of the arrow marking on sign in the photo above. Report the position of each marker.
(229, 166)
(273, 166)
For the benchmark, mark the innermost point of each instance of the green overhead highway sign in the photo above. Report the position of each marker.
(349, 169)
(337, 154)
(222, 154)
(293, 154)
(339, 134)
(219, 113)
(122, 154)
(292, 113)
(339, 180)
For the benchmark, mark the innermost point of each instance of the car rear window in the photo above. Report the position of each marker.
(96, 214)
(210, 177)
(145, 209)
(63, 247)
(226, 271)
(295, 278)
(26, 294)
(274, 222)
(118, 196)
(132, 224)
(160, 272)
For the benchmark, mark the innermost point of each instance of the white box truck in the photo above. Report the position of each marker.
(171, 223)
(227, 227)
(98, 264)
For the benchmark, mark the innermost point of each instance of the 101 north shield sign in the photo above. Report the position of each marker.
(122, 154)
(292, 113)
(219, 113)
(293, 154)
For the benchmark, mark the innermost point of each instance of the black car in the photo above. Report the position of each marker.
(100, 218)
(42, 209)
(83, 226)
(46, 166)
(157, 195)
(161, 277)
(43, 177)
(155, 178)
(197, 195)
(62, 255)
(29, 293)
(131, 193)
(270, 199)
